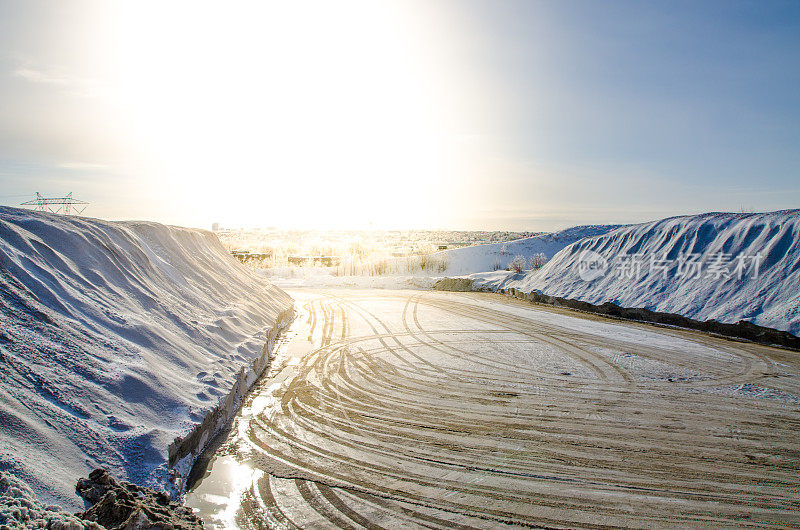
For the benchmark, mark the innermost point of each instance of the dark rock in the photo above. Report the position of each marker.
(93, 489)
(121, 505)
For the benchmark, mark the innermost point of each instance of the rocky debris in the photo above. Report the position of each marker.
(454, 284)
(115, 504)
(121, 505)
(19, 508)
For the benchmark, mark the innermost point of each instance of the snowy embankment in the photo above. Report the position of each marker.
(496, 256)
(721, 266)
(116, 339)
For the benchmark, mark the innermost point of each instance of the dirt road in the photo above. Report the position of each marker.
(389, 409)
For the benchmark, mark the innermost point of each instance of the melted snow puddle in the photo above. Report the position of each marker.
(217, 496)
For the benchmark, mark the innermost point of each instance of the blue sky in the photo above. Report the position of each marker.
(485, 115)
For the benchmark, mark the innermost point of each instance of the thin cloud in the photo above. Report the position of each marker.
(38, 76)
(74, 85)
(82, 166)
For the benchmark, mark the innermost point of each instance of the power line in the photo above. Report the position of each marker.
(65, 205)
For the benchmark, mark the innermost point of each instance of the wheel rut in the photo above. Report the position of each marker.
(449, 410)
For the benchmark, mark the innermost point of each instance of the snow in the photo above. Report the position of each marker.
(405, 273)
(495, 280)
(493, 256)
(765, 290)
(116, 338)
(322, 277)
(19, 508)
(479, 411)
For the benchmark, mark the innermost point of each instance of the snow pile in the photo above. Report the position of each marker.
(19, 508)
(722, 266)
(494, 256)
(115, 339)
(495, 280)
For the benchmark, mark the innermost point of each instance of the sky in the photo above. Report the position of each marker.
(428, 114)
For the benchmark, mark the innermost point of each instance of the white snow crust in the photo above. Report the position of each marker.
(115, 338)
(768, 297)
(483, 258)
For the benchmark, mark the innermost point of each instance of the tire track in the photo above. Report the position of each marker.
(451, 412)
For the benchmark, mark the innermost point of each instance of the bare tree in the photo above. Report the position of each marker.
(537, 261)
(517, 264)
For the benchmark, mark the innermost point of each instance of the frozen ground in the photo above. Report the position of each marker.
(722, 266)
(115, 339)
(292, 277)
(430, 409)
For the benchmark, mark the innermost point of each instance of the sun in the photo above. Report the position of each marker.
(314, 114)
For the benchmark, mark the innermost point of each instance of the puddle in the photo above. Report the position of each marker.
(217, 495)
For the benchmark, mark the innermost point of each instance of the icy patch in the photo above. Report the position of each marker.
(645, 369)
(754, 391)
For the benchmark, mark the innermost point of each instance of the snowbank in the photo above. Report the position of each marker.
(722, 266)
(117, 338)
(494, 280)
(494, 256)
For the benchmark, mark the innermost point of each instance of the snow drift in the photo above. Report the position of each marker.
(493, 256)
(722, 266)
(116, 338)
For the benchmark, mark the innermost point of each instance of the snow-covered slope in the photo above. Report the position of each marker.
(493, 256)
(654, 265)
(115, 339)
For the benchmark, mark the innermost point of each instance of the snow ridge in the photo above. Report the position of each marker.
(482, 258)
(116, 338)
(768, 296)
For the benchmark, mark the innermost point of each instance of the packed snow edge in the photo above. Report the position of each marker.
(117, 338)
(749, 269)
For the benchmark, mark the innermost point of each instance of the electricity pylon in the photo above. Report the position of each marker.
(65, 205)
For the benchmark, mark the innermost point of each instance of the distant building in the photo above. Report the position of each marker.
(215, 227)
(245, 255)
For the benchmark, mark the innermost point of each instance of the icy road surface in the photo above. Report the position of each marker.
(414, 409)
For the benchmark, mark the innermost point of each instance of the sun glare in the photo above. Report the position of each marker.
(336, 108)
